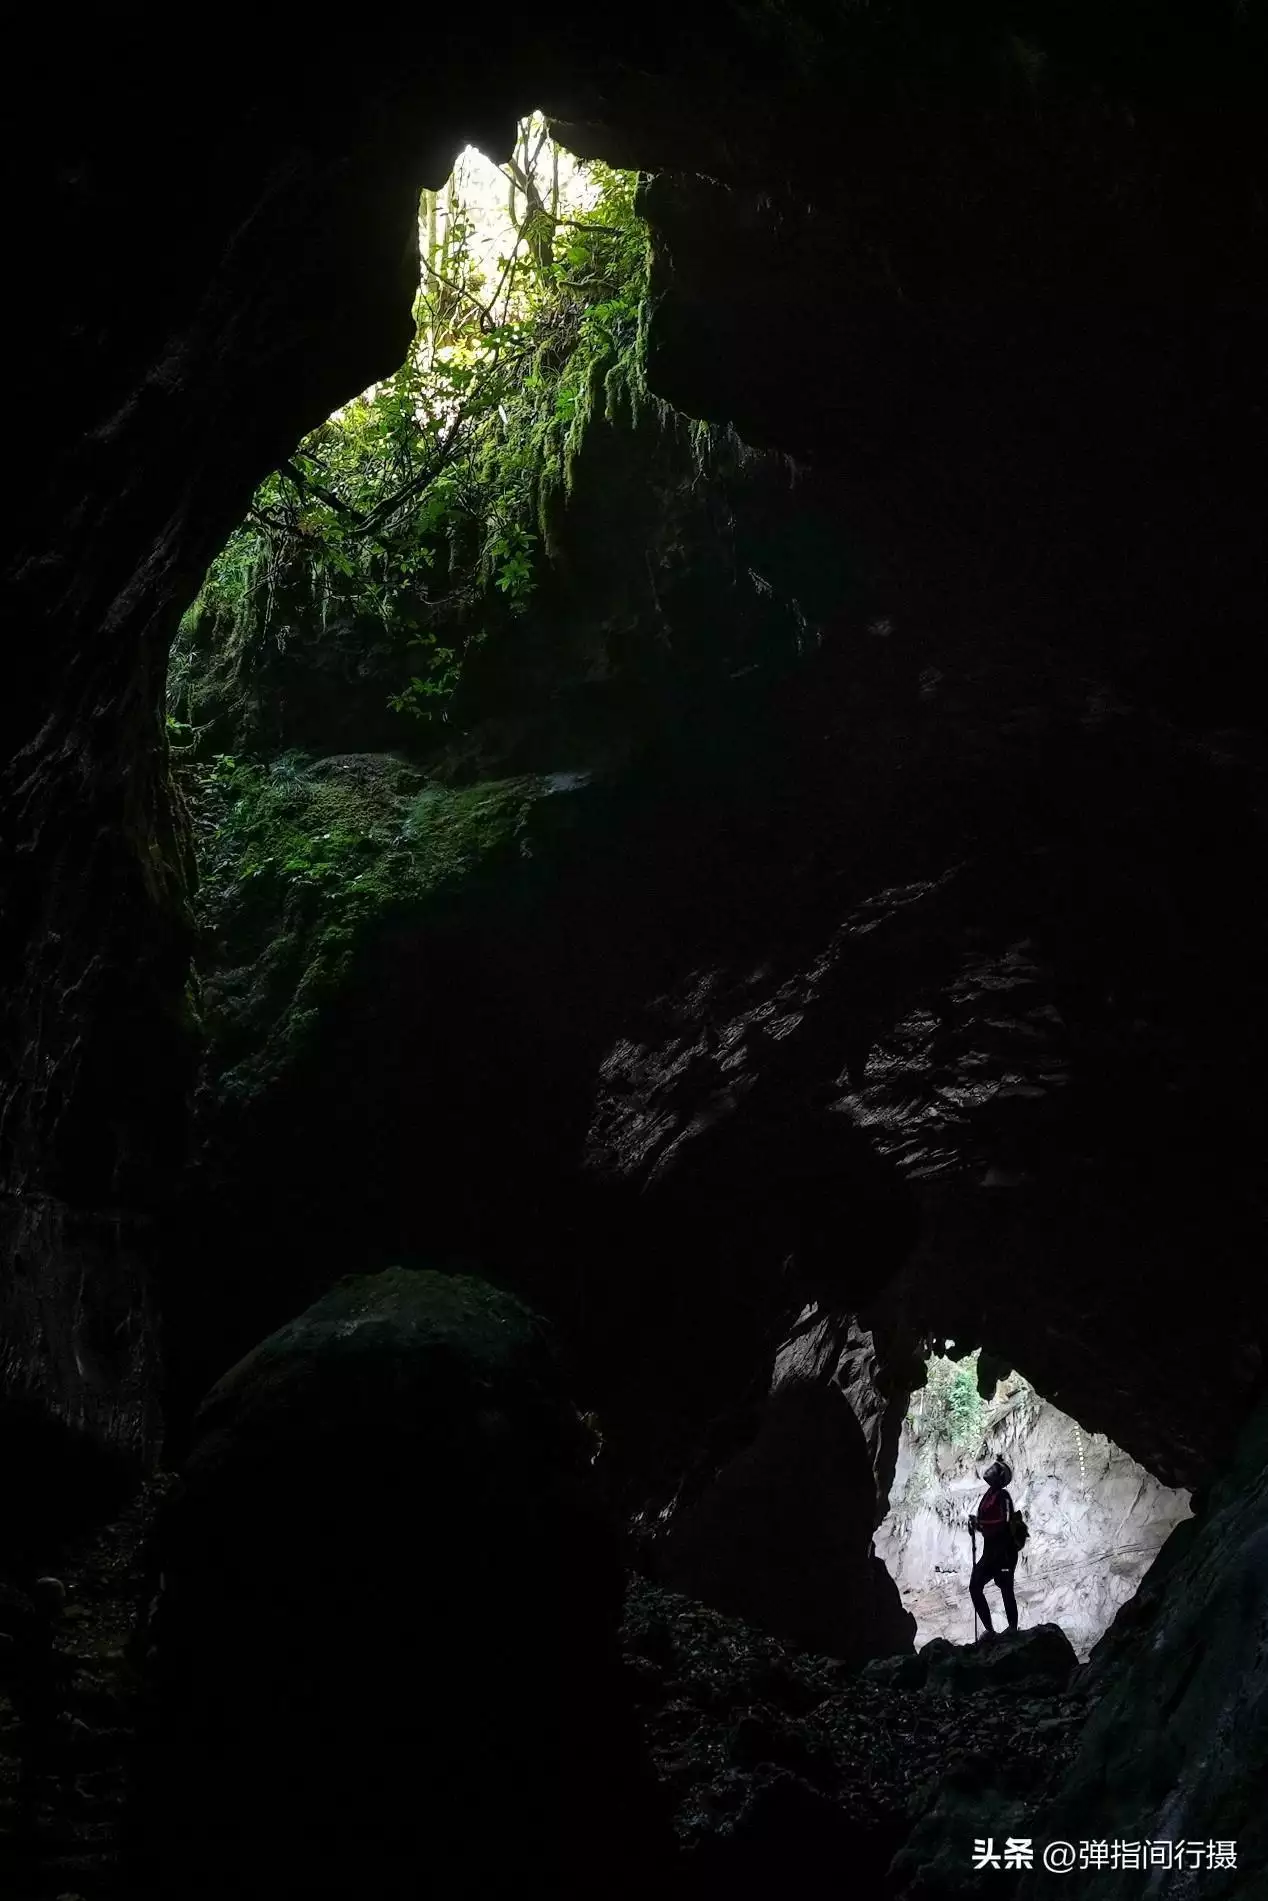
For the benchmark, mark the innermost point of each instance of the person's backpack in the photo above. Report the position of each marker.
(1019, 1528)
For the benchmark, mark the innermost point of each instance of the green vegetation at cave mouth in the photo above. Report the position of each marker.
(949, 1417)
(509, 552)
(506, 559)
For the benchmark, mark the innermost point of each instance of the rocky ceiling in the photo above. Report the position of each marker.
(999, 290)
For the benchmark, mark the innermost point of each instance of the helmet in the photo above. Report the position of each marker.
(998, 1473)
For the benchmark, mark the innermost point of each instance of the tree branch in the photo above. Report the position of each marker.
(588, 224)
(418, 482)
(462, 291)
(269, 522)
(323, 494)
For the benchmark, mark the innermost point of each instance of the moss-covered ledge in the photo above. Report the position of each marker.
(305, 860)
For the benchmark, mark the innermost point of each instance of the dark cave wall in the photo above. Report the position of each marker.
(215, 263)
(1022, 325)
(213, 271)
(1021, 350)
(1013, 339)
(1175, 1747)
(782, 1535)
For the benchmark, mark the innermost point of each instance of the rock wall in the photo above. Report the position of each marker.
(249, 274)
(1177, 1746)
(1097, 1521)
(782, 1536)
(780, 1533)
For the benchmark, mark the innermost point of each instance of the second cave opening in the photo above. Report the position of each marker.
(1097, 1519)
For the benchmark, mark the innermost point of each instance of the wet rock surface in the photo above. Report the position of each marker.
(1023, 1098)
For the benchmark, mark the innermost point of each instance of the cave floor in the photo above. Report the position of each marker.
(74, 1848)
(775, 1758)
(760, 1749)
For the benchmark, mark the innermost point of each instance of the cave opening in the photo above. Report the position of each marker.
(404, 537)
(1095, 1518)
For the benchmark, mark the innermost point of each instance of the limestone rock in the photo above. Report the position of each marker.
(873, 1373)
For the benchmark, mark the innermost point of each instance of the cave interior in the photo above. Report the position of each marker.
(907, 987)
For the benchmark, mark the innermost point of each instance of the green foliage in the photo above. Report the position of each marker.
(951, 1408)
(947, 1412)
(424, 505)
(302, 861)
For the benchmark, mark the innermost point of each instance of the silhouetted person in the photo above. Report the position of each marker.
(999, 1551)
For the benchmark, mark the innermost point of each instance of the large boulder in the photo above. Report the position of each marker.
(1177, 1747)
(385, 1652)
(1041, 1658)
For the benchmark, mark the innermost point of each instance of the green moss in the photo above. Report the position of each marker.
(402, 1314)
(311, 859)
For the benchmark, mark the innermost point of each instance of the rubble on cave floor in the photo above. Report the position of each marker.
(73, 1853)
(775, 1760)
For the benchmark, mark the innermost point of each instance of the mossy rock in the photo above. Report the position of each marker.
(312, 859)
(403, 1344)
(391, 1606)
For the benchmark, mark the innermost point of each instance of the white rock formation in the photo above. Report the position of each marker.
(1096, 1522)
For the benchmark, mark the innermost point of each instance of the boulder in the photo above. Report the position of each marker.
(1040, 1657)
(386, 1646)
(939, 1649)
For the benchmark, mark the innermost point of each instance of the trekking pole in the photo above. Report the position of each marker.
(972, 1600)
